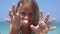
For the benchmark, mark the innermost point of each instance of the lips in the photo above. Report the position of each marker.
(25, 21)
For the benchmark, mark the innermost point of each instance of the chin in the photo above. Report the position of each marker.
(26, 25)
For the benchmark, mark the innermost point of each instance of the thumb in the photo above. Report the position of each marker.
(52, 28)
(32, 27)
(8, 20)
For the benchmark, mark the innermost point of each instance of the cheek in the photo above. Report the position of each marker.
(21, 17)
(31, 18)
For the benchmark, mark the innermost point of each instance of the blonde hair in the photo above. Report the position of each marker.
(34, 5)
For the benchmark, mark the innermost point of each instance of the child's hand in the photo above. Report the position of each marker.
(43, 25)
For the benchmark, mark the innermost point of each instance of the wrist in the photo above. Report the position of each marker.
(13, 30)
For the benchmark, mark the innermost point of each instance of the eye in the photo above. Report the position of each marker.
(31, 14)
(22, 13)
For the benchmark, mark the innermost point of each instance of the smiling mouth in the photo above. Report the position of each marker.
(25, 21)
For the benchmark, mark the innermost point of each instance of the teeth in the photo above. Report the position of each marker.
(26, 21)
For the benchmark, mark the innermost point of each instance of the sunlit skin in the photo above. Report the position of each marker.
(26, 13)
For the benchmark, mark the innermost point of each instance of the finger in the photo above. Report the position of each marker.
(52, 28)
(13, 8)
(33, 27)
(47, 17)
(40, 15)
(20, 7)
(17, 14)
(8, 20)
(51, 21)
(10, 13)
(13, 20)
(17, 17)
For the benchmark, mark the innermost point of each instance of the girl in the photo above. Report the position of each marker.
(27, 19)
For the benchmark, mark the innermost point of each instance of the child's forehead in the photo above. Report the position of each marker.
(27, 6)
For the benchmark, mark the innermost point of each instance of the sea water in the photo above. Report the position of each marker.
(4, 28)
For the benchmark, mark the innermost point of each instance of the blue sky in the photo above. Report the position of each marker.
(51, 6)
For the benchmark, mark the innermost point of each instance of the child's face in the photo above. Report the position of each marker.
(27, 14)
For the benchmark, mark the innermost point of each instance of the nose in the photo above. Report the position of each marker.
(26, 17)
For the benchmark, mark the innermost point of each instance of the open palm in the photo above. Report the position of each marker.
(15, 21)
(43, 25)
